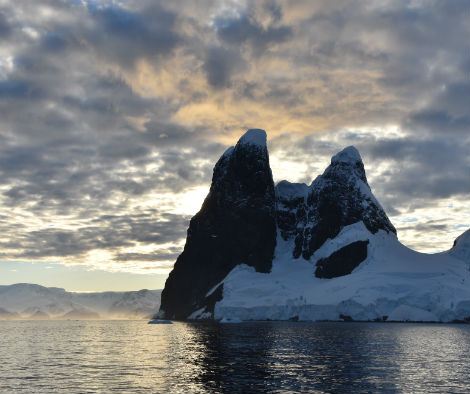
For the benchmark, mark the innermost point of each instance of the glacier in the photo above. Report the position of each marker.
(394, 283)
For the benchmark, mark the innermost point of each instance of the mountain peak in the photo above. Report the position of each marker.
(348, 155)
(254, 137)
(236, 224)
(346, 166)
(338, 198)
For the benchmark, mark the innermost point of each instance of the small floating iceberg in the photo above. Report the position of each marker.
(160, 322)
(231, 320)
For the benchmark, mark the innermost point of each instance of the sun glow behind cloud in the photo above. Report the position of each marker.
(191, 201)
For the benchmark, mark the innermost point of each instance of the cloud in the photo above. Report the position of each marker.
(448, 112)
(115, 110)
(125, 36)
(246, 30)
(107, 232)
(220, 64)
(5, 28)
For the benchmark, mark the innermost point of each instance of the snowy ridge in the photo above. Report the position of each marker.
(461, 248)
(31, 301)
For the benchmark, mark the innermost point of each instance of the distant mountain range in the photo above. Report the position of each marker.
(326, 251)
(31, 301)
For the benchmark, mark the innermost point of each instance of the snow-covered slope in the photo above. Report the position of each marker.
(33, 301)
(461, 248)
(392, 283)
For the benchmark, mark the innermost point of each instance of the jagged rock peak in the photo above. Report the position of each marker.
(255, 137)
(243, 173)
(338, 198)
(346, 164)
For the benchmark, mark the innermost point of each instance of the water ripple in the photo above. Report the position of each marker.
(273, 357)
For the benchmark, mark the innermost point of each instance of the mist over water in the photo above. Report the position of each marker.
(268, 357)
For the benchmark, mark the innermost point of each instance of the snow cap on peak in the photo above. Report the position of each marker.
(254, 137)
(347, 155)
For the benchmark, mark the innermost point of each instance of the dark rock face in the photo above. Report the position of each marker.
(343, 261)
(236, 225)
(338, 198)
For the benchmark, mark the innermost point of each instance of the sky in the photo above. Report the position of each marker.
(113, 114)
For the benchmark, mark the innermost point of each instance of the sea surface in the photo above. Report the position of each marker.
(267, 357)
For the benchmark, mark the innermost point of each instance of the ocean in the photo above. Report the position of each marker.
(260, 357)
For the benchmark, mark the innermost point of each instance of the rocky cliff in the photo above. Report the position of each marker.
(236, 225)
